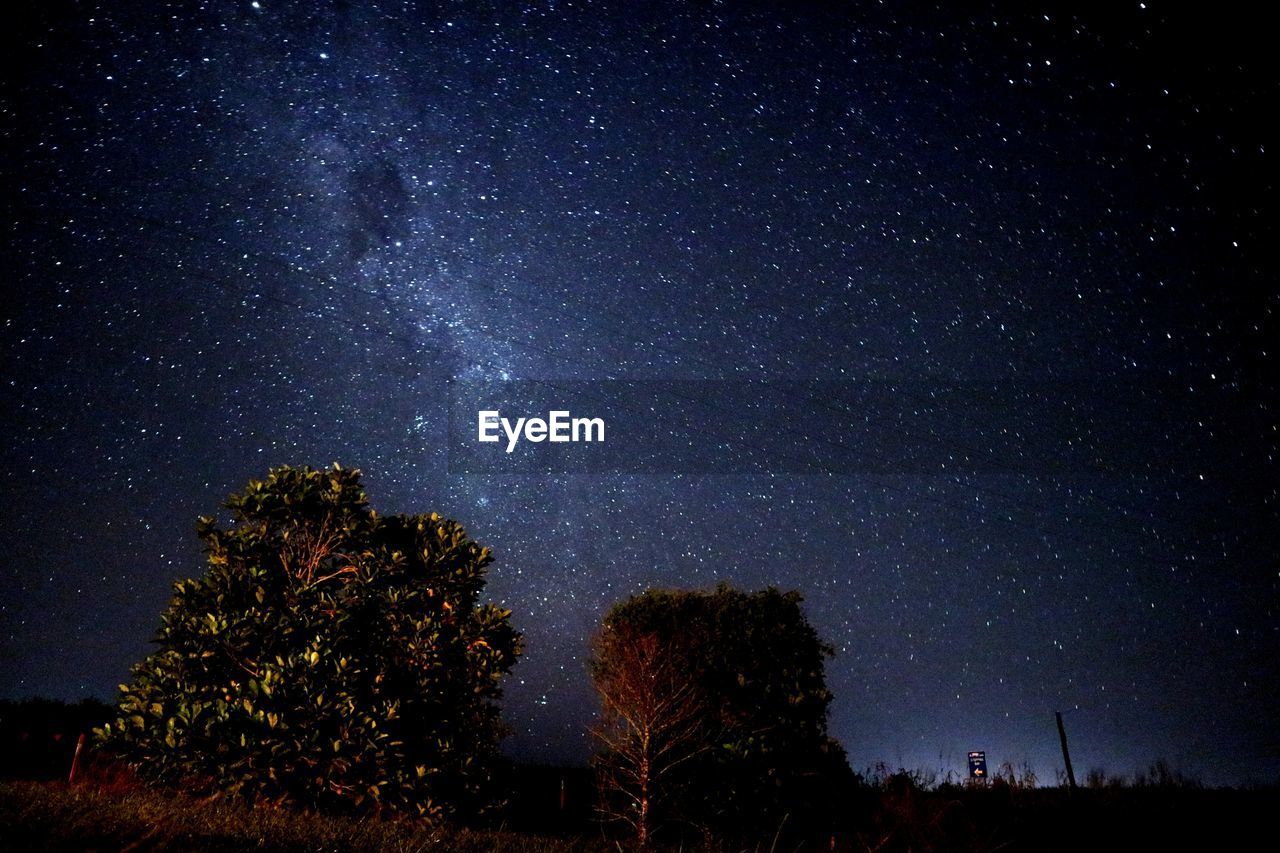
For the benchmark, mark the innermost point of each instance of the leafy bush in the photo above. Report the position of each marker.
(328, 657)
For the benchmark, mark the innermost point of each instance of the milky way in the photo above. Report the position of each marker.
(243, 234)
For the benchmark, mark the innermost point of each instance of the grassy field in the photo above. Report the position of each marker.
(885, 818)
(51, 816)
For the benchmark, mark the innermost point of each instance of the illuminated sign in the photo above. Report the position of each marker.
(977, 765)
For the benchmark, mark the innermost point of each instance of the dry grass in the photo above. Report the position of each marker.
(52, 816)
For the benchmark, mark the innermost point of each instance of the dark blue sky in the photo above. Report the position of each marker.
(240, 235)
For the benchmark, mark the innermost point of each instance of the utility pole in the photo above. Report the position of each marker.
(1066, 756)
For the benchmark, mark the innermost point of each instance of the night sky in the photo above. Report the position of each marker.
(246, 234)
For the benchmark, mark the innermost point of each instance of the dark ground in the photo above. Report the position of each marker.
(551, 809)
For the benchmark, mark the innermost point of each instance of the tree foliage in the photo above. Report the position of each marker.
(756, 668)
(328, 657)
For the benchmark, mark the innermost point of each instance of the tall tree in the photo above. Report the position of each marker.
(328, 656)
(755, 669)
(652, 722)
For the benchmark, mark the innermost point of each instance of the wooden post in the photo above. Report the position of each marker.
(75, 760)
(1066, 756)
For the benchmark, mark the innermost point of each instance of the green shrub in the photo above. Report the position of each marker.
(328, 657)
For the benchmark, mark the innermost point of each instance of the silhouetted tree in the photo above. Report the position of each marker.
(329, 656)
(756, 668)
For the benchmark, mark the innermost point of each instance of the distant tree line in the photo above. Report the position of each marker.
(38, 736)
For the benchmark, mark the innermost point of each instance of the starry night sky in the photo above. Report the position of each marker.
(239, 235)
